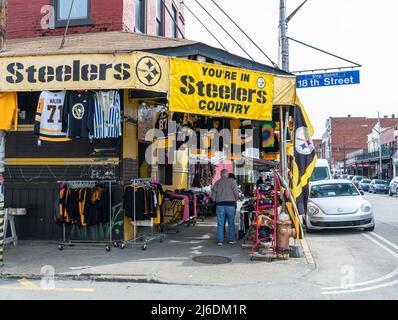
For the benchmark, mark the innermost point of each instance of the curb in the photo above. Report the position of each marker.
(88, 277)
(307, 252)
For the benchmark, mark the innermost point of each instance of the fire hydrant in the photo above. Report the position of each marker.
(284, 232)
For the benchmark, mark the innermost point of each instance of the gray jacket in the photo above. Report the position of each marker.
(225, 190)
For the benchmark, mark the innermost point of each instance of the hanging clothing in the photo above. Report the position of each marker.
(48, 121)
(203, 175)
(77, 119)
(8, 110)
(269, 142)
(83, 206)
(162, 122)
(107, 115)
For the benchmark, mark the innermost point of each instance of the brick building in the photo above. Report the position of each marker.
(348, 134)
(318, 148)
(36, 18)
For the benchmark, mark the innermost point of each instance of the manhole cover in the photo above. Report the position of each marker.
(212, 259)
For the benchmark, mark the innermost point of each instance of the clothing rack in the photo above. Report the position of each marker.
(142, 240)
(90, 184)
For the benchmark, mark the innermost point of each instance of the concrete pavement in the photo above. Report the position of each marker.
(168, 262)
(350, 264)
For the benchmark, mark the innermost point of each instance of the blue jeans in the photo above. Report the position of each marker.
(225, 212)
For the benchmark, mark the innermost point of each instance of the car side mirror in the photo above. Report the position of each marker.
(362, 193)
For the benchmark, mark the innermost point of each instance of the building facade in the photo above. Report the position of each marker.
(35, 18)
(345, 135)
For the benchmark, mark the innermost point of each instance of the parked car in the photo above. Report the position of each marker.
(357, 179)
(321, 171)
(349, 177)
(337, 204)
(343, 177)
(393, 188)
(378, 186)
(364, 184)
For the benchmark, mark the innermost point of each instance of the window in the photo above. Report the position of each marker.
(333, 190)
(165, 174)
(174, 31)
(160, 18)
(140, 10)
(79, 15)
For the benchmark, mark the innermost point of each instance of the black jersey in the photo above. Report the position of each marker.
(77, 120)
(162, 122)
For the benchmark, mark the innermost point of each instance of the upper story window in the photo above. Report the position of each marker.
(79, 13)
(159, 18)
(140, 16)
(174, 25)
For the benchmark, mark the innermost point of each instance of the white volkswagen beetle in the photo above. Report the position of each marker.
(338, 204)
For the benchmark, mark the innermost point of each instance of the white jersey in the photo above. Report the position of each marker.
(107, 115)
(48, 121)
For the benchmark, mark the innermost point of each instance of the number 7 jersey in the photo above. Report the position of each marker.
(48, 121)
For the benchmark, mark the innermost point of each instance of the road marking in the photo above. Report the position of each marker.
(388, 276)
(385, 240)
(395, 255)
(29, 285)
(388, 284)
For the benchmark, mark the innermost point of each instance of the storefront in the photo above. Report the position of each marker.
(142, 90)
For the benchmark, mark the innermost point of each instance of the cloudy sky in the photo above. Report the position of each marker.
(358, 30)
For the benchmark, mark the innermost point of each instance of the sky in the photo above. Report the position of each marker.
(362, 31)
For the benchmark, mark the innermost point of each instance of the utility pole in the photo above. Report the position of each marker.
(3, 24)
(3, 47)
(380, 150)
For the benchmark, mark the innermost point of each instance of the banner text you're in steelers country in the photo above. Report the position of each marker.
(222, 91)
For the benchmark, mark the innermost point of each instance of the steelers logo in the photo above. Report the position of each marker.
(303, 141)
(261, 83)
(78, 111)
(149, 71)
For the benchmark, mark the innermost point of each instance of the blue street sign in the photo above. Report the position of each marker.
(328, 79)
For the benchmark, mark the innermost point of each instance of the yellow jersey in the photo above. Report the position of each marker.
(8, 110)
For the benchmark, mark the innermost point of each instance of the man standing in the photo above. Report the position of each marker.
(225, 194)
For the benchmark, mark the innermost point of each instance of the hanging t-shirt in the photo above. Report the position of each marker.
(8, 110)
(48, 121)
(107, 115)
(269, 141)
(77, 120)
(162, 122)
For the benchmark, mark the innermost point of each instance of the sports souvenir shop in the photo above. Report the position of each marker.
(78, 161)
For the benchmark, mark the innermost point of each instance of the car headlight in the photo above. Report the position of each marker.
(312, 210)
(366, 207)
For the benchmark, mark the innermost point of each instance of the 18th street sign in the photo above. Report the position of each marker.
(328, 79)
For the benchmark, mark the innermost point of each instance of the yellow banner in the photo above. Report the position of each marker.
(134, 70)
(207, 89)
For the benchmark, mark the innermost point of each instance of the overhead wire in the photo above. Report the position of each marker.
(208, 30)
(221, 26)
(247, 36)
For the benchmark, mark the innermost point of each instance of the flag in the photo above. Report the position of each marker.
(304, 158)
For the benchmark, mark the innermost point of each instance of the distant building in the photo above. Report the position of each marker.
(345, 135)
(32, 18)
(318, 148)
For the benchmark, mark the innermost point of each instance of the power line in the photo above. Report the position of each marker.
(200, 21)
(172, 18)
(219, 24)
(247, 36)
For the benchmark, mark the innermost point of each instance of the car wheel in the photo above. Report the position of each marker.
(370, 229)
(308, 230)
(390, 193)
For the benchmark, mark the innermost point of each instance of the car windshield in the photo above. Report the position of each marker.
(333, 190)
(381, 182)
(358, 178)
(365, 181)
(320, 173)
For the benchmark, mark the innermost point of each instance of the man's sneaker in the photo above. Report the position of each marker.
(232, 242)
(219, 244)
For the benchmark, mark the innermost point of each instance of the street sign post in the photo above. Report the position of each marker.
(317, 80)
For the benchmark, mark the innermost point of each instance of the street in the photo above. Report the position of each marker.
(350, 264)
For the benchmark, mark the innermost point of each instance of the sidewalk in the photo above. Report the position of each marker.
(168, 262)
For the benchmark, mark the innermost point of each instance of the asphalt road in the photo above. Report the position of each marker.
(349, 265)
